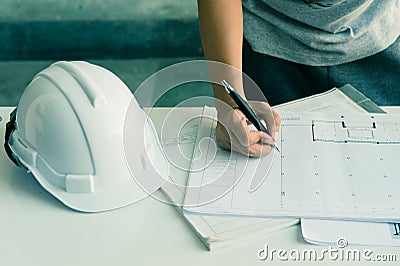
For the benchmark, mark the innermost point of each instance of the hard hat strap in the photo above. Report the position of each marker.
(10, 127)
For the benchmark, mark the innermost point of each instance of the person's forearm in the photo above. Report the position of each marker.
(221, 29)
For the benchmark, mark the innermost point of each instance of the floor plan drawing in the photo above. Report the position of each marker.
(330, 166)
(344, 130)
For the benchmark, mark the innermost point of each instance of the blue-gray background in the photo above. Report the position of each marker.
(133, 38)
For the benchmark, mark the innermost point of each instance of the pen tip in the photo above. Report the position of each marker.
(277, 149)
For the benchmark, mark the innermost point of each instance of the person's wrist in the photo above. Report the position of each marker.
(223, 108)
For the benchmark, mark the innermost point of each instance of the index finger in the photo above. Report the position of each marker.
(268, 116)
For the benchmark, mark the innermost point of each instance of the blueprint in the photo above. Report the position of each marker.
(330, 167)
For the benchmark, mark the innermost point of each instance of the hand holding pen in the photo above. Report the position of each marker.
(266, 113)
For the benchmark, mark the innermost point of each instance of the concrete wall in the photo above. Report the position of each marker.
(81, 29)
(56, 10)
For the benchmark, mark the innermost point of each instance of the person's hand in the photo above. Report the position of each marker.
(233, 132)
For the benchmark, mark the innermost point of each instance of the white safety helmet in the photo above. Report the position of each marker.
(82, 134)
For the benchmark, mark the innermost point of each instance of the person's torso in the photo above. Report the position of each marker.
(315, 27)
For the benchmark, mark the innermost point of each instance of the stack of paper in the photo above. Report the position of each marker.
(214, 231)
(328, 232)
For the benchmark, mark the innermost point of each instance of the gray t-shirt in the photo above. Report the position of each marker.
(321, 33)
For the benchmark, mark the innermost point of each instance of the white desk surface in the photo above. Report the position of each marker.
(36, 229)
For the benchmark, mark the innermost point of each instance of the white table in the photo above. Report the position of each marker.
(36, 229)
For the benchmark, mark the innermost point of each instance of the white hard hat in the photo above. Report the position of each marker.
(82, 134)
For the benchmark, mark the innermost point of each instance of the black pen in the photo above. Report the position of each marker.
(246, 110)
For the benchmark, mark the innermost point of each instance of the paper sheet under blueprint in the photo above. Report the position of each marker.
(330, 166)
(215, 231)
